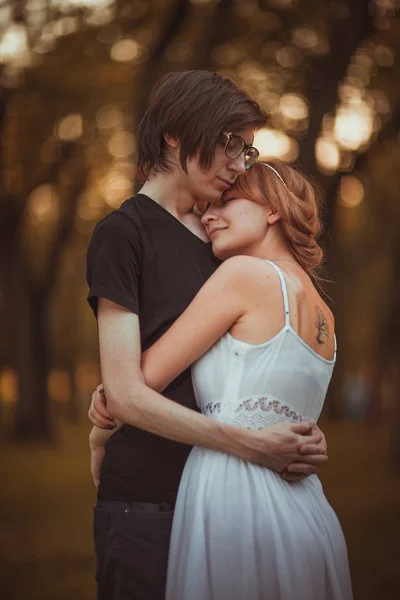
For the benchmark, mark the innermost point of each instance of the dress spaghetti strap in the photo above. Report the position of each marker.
(284, 292)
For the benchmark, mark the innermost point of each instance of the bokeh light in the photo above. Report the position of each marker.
(109, 117)
(327, 155)
(43, 203)
(14, 44)
(115, 187)
(126, 50)
(70, 128)
(351, 191)
(293, 106)
(8, 386)
(354, 125)
(273, 143)
(59, 385)
(289, 57)
(121, 144)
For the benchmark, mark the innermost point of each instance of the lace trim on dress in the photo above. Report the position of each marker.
(211, 408)
(255, 413)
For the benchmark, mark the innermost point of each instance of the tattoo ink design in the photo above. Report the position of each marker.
(322, 325)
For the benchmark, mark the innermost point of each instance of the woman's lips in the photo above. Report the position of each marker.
(215, 230)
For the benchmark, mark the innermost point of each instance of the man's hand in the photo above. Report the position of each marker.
(282, 446)
(98, 413)
(299, 470)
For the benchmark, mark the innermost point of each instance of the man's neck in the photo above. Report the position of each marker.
(169, 193)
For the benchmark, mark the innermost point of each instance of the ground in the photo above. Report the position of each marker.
(46, 499)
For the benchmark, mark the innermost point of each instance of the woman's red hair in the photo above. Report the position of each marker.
(296, 202)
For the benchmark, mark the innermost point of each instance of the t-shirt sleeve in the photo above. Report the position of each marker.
(113, 263)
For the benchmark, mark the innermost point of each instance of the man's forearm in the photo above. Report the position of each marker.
(274, 447)
(144, 408)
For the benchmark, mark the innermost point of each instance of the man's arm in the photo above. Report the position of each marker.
(134, 403)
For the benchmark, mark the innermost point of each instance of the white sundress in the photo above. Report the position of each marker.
(239, 530)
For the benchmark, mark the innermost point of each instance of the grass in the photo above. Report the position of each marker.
(46, 548)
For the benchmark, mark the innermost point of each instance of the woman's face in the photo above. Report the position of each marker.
(236, 225)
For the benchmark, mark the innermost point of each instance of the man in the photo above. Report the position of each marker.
(146, 262)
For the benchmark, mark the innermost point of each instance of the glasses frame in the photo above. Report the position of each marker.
(228, 135)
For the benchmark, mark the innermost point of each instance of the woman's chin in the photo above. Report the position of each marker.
(221, 252)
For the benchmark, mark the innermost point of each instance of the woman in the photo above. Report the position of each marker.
(263, 347)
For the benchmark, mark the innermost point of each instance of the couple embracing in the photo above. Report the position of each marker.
(216, 354)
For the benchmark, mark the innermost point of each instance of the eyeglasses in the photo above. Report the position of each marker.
(235, 145)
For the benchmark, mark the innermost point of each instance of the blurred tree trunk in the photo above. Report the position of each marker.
(27, 298)
(383, 355)
(26, 312)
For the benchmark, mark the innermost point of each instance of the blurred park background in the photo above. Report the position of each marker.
(75, 76)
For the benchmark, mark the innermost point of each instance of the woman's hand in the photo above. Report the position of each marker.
(98, 413)
(97, 441)
(96, 461)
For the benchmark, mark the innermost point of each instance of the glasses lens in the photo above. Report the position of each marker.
(250, 157)
(235, 146)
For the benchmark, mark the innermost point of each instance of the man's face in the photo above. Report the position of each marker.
(211, 184)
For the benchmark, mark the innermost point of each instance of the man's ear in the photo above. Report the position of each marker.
(273, 217)
(171, 141)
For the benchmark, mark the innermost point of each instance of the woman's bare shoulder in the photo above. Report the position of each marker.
(249, 273)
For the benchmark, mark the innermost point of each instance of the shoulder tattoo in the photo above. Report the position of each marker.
(322, 325)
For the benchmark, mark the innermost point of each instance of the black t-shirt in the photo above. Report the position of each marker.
(144, 259)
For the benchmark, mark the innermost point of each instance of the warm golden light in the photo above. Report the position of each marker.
(121, 144)
(109, 117)
(304, 37)
(70, 128)
(14, 43)
(115, 187)
(90, 207)
(351, 191)
(65, 26)
(59, 385)
(273, 143)
(66, 5)
(126, 50)
(8, 386)
(353, 125)
(383, 56)
(327, 155)
(293, 106)
(289, 57)
(43, 203)
(87, 376)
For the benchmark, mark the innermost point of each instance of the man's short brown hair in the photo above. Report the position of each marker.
(194, 107)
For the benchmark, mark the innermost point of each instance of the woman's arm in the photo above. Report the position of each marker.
(220, 303)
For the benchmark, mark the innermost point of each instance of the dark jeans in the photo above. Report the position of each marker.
(132, 543)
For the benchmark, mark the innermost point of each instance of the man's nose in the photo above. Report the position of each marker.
(239, 164)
